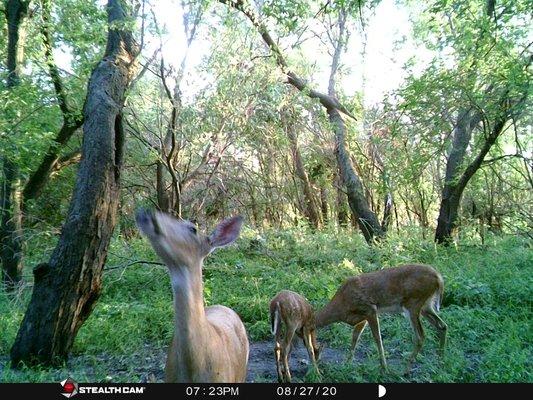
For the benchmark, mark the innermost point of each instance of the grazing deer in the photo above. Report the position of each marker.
(412, 289)
(298, 317)
(209, 344)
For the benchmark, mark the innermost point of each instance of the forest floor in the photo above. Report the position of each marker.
(148, 363)
(262, 365)
(487, 305)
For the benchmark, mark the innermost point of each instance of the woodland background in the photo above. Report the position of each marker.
(256, 108)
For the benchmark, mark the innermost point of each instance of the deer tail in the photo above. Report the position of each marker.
(439, 294)
(275, 319)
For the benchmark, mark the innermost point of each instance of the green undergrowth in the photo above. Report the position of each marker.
(487, 304)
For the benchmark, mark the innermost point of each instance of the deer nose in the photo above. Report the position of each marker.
(146, 220)
(143, 216)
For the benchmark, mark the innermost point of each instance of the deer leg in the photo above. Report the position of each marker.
(277, 353)
(414, 317)
(287, 347)
(316, 347)
(373, 321)
(357, 330)
(439, 325)
(308, 340)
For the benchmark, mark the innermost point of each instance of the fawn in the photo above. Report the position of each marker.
(295, 312)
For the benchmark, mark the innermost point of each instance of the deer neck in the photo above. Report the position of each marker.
(191, 329)
(328, 315)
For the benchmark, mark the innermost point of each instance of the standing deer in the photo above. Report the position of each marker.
(412, 289)
(297, 315)
(209, 344)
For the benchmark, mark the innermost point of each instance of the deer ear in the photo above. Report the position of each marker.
(226, 232)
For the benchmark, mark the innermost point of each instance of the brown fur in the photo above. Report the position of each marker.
(209, 344)
(296, 314)
(413, 289)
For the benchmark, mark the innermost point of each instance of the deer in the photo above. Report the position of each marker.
(415, 290)
(209, 344)
(295, 312)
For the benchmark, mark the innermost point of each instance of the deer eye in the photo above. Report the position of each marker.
(193, 229)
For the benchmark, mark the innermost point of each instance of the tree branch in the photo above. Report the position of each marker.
(50, 62)
(329, 102)
(68, 159)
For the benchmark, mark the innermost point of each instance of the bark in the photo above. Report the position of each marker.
(163, 201)
(310, 209)
(68, 286)
(16, 12)
(455, 182)
(387, 212)
(11, 217)
(324, 204)
(367, 219)
(11, 228)
(451, 198)
(342, 214)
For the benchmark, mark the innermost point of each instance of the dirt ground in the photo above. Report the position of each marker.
(262, 365)
(147, 364)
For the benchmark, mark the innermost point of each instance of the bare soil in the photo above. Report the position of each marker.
(146, 364)
(262, 364)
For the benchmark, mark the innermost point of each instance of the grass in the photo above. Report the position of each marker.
(487, 305)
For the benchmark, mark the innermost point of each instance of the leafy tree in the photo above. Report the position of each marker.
(68, 286)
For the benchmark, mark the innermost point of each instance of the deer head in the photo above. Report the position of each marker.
(178, 242)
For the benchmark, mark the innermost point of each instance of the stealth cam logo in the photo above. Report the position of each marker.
(70, 387)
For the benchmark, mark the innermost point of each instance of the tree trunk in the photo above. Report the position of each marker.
(362, 214)
(169, 197)
(342, 214)
(310, 209)
(67, 287)
(509, 105)
(449, 206)
(11, 217)
(387, 212)
(379, 164)
(16, 12)
(324, 204)
(163, 201)
(365, 217)
(455, 184)
(449, 209)
(11, 228)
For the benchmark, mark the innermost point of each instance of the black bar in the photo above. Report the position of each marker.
(338, 391)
